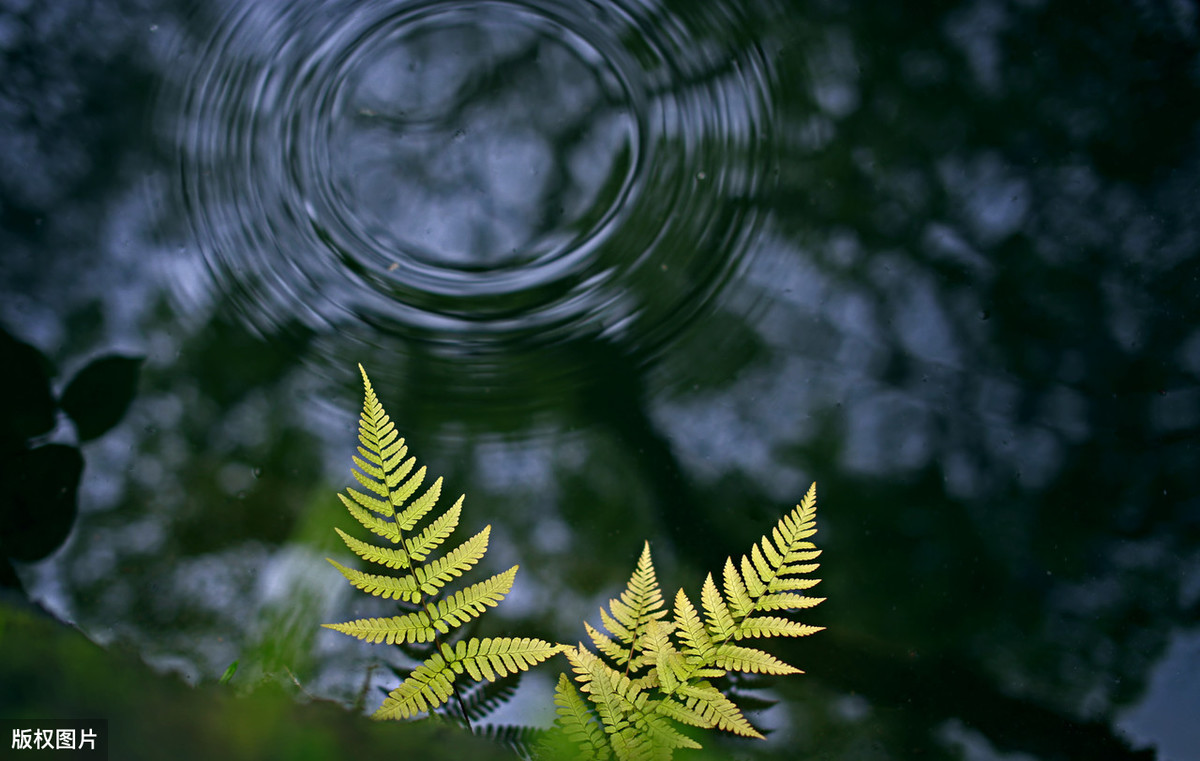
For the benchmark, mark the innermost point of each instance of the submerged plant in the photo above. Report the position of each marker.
(652, 671)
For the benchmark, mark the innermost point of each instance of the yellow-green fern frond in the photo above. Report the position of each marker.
(688, 650)
(382, 469)
(490, 658)
(682, 713)
(411, 627)
(437, 573)
(431, 684)
(638, 604)
(610, 690)
(614, 650)
(381, 450)
(712, 704)
(420, 506)
(577, 723)
(622, 632)
(379, 506)
(387, 587)
(669, 667)
(634, 727)
(387, 529)
(741, 604)
(464, 605)
(751, 661)
(696, 641)
(720, 620)
(385, 556)
(435, 533)
(431, 610)
(765, 580)
(617, 701)
(664, 738)
(773, 626)
(654, 666)
(641, 601)
(781, 584)
(400, 493)
(786, 601)
(427, 687)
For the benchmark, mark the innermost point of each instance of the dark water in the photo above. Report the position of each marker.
(629, 271)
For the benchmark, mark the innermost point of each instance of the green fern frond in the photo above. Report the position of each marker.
(696, 641)
(492, 657)
(412, 514)
(773, 626)
(435, 533)
(750, 661)
(385, 556)
(387, 529)
(576, 722)
(387, 506)
(712, 704)
(638, 604)
(469, 603)
(412, 627)
(717, 613)
(688, 650)
(437, 573)
(431, 683)
(428, 686)
(614, 650)
(387, 587)
(663, 737)
(617, 700)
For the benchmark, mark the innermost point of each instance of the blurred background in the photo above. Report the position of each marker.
(619, 271)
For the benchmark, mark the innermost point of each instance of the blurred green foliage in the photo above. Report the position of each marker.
(49, 670)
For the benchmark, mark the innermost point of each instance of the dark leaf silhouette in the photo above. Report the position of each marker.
(26, 403)
(38, 500)
(97, 398)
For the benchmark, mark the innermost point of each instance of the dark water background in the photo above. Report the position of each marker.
(627, 271)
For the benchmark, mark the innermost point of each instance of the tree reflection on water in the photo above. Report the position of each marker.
(943, 263)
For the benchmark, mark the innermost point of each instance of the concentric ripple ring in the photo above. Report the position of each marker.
(495, 171)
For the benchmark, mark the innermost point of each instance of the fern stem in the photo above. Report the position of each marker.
(462, 707)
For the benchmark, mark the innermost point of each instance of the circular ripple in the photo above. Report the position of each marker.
(498, 173)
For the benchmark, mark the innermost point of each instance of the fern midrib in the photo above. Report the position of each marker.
(374, 440)
(429, 601)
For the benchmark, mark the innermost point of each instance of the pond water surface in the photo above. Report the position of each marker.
(626, 271)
